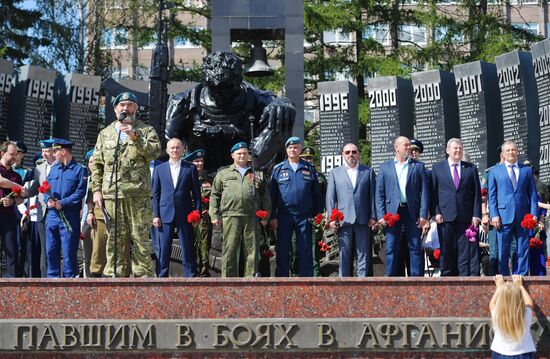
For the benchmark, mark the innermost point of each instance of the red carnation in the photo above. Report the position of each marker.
(82, 236)
(437, 254)
(318, 219)
(45, 187)
(529, 222)
(16, 190)
(483, 192)
(261, 214)
(194, 217)
(336, 215)
(205, 200)
(26, 212)
(34, 206)
(391, 219)
(535, 243)
(267, 253)
(323, 247)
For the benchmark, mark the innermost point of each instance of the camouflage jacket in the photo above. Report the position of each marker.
(134, 177)
(232, 195)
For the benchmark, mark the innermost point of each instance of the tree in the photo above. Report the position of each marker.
(15, 22)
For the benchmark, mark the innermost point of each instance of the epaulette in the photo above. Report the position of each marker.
(277, 165)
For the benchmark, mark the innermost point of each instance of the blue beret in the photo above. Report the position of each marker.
(88, 154)
(36, 157)
(238, 146)
(20, 146)
(62, 143)
(124, 96)
(195, 155)
(293, 141)
(46, 143)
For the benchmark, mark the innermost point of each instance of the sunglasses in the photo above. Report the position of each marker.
(353, 152)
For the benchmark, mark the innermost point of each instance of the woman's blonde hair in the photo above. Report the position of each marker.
(509, 311)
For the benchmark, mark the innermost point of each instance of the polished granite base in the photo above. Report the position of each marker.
(333, 305)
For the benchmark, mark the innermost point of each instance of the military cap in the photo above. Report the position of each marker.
(293, 141)
(238, 146)
(44, 144)
(37, 156)
(417, 144)
(21, 147)
(88, 154)
(195, 155)
(62, 143)
(124, 96)
(308, 152)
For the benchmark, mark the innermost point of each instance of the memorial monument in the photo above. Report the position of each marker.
(436, 112)
(338, 120)
(518, 94)
(541, 67)
(479, 112)
(224, 110)
(391, 113)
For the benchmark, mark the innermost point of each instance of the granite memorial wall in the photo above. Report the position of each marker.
(338, 120)
(481, 103)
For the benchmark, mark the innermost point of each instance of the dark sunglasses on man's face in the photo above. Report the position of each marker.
(353, 152)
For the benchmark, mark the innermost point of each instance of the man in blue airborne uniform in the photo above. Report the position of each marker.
(295, 197)
(68, 182)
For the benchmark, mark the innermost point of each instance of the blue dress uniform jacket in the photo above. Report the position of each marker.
(296, 193)
(69, 185)
(295, 197)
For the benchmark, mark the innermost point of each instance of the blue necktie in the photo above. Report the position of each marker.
(513, 176)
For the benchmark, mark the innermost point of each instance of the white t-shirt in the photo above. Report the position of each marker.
(505, 346)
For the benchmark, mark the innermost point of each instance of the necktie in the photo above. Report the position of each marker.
(512, 175)
(456, 179)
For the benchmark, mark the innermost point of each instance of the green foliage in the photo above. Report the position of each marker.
(16, 39)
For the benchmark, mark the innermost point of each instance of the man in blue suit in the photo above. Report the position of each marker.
(456, 203)
(512, 194)
(176, 192)
(402, 188)
(351, 189)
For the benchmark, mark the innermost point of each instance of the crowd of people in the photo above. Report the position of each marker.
(124, 208)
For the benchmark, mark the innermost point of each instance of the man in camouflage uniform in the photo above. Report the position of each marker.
(308, 153)
(232, 206)
(203, 232)
(139, 144)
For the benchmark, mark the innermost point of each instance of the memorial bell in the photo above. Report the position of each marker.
(258, 66)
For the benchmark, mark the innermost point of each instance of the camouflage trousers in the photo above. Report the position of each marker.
(203, 241)
(134, 246)
(238, 236)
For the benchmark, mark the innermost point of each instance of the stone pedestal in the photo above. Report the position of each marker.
(281, 318)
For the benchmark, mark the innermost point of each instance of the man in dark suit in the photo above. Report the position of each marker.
(176, 192)
(456, 203)
(512, 194)
(351, 189)
(402, 188)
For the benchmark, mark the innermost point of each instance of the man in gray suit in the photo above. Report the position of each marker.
(351, 189)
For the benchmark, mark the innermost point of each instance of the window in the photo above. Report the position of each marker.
(442, 32)
(336, 37)
(115, 38)
(532, 27)
(412, 33)
(182, 42)
(379, 33)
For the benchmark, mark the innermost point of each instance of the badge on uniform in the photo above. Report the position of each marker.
(283, 176)
(306, 174)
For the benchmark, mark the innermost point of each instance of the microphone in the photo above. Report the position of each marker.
(122, 116)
